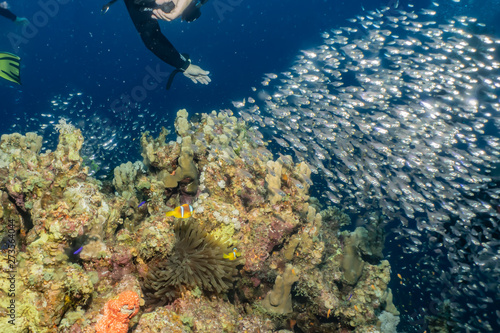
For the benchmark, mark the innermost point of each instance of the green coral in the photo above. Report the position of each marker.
(72, 317)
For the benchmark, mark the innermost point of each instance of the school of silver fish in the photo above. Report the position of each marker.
(400, 114)
(110, 137)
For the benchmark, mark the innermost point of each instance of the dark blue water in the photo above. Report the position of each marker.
(103, 56)
(77, 48)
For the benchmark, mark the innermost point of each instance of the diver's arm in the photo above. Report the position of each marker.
(8, 14)
(151, 35)
(180, 6)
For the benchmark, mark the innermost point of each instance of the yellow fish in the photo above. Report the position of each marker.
(232, 255)
(181, 212)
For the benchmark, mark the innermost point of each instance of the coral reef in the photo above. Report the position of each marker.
(161, 320)
(213, 314)
(81, 244)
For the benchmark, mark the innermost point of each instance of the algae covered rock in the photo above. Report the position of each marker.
(161, 320)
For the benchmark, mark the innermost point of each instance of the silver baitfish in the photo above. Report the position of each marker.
(401, 114)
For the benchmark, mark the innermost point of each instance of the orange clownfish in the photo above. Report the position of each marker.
(232, 255)
(181, 212)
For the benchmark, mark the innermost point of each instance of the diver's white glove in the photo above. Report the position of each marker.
(180, 6)
(197, 75)
(22, 21)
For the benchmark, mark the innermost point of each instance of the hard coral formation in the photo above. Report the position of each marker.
(118, 312)
(185, 174)
(161, 320)
(125, 178)
(81, 242)
(352, 264)
(197, 260)
(388, 322)
(279, 300)
(46, 222)
(360, 246)
(173, 162)
(214, 314)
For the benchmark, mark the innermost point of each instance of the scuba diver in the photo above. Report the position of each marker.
(10, 63)
(9, 67)
(11, 16)
(145, 15)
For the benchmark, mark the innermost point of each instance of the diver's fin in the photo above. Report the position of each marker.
(171, 78)
(105, 8)
(9, 67)
(174, 73)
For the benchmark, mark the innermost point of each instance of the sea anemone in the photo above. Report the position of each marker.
(197, 260)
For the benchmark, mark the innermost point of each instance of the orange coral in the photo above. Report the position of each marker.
(117, 313)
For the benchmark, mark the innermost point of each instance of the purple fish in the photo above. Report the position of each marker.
(78, 251)
(349, 297)
(142, 203)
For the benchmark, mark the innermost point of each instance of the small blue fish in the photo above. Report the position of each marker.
(142, 203)
(349, 297)
(78, 251)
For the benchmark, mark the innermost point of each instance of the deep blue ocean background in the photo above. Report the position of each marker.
(78, 50)
(102, 56)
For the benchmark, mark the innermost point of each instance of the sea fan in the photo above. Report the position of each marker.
(196, 260)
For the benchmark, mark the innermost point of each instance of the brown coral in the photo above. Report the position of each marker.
(279, 299)
(197, 259)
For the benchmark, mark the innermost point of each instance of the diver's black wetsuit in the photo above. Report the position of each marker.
(151, 35)
(7, 14)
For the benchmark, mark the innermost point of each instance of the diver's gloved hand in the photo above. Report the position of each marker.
(197, 75)
(22, 21)
(180, 6)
